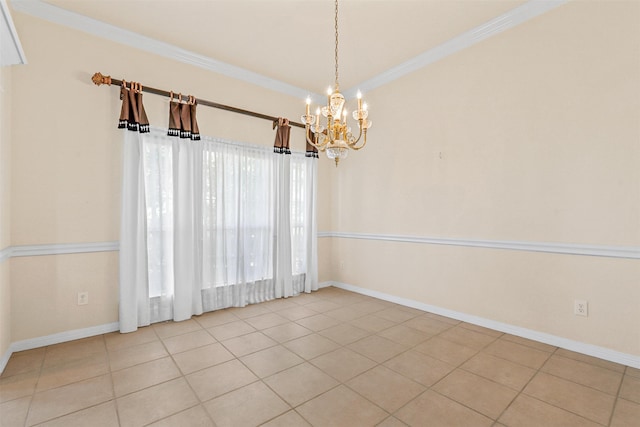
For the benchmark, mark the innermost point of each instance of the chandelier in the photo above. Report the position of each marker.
(336, 137)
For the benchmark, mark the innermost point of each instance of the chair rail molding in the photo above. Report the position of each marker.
(629, 252)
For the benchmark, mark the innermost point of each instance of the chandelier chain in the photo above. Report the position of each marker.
(336, 55)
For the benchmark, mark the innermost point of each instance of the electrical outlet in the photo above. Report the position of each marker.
(83, 298)
(581, 308)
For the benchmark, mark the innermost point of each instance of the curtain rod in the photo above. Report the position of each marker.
(99, 79)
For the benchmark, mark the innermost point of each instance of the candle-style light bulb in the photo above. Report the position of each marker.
(308, 104)
(359, 101)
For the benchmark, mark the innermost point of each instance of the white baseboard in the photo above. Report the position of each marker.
(58, 338)
(579, 347)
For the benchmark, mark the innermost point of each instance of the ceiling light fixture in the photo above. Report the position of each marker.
(336, 139)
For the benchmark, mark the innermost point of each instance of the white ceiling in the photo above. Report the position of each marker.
(292, 41)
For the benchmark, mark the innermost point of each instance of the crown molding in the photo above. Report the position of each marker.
(58, 15)
(514, 17)
(10, 46)
(628, 252)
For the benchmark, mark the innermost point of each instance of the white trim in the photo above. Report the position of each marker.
(14, 53)
(6, 253)
(58, 15)
(63, 248)
(75, 334)
(508, 20)
(579, 347)
(631, 252)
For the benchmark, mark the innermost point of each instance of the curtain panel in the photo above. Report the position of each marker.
(209, 224)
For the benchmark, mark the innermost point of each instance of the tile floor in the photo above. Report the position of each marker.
(332, 358)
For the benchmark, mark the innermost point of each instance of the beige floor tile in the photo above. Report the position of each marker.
(467, 337)
(271, 360)
(280, 303)
(442, 318)
(251, 405)
(288, 419)
(499, 370)
(428, 325)
(345, 314)
(526, 411)
(371, 306)
(188, 341)
(215, 318)
(391, 422)
(311, 346)
(322, 306)
(419, 367)
(481, 329)
(145, 375)
(584, 373)
(247, 344)
(626, 414)
(70, 398)
(372, 323)
(487, 397)
(386, 388)
(589, 359)
(286, 332)
(584, 401)
(296, 313)
(431, 408)
(344, 333)
(404, 335)
(396, 315)
(65, 373)
(634, 372)
(300, 383)
(192, 417)
(202, 357)
(14, 412)
(630, 389)
(131, 356)
(529, 343)
(377, 348)
(24, 361)
(445, 350)
(267, 320)
(74, 350)
(17, 386)
(103, 415)
(318, 322)
(341, 407)
(231, 330)
(171, 328)
(249, 311)
(155, 403)
(217, 380)
(517, 353)
(343, 364)
(117, 341)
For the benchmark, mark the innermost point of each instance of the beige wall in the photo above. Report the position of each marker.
(5, 203)
(66, 163)
(532, 135)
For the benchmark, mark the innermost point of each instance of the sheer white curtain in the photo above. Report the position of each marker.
(211, 224)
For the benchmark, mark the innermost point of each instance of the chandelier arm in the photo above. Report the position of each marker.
(320, 146)
(353, 145)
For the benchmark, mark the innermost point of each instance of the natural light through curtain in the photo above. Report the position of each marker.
(200, 229)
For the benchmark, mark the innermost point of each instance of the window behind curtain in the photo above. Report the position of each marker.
(237, 213)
